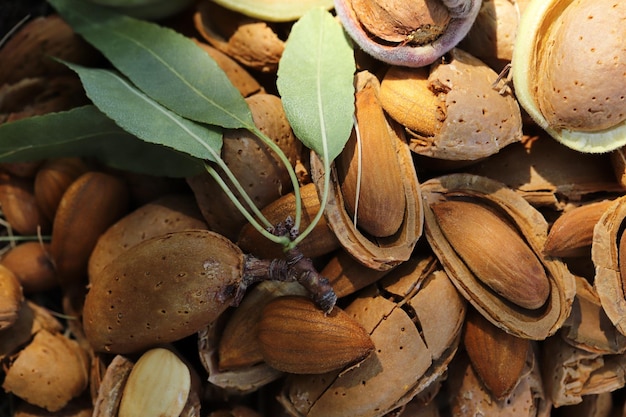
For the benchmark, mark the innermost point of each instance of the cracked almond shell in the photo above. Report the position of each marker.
(532, 324)
(381, 253)
(568, 71)
(414, 340)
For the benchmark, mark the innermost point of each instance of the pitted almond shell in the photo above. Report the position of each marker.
(251, 42)
(239, 76)
(49, 372)
(461, 89)
(161, 290)
(468, 396)
(169, 213)
(414, 341)
(532, 324)
(375, 253)
(255, 166)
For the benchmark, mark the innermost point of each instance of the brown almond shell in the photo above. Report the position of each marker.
(605, 256)
(534, 324)
(376, 253)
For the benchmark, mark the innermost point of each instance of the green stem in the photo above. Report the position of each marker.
(282, 240)
(292, 174)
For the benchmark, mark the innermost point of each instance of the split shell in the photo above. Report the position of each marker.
(597, 70)
(406, 360)
(605, 257)
(379, 253)
(531, 324)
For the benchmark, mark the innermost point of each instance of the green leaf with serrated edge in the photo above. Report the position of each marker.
(145, 118)
(315, 81)
(167, 66)
(87, 132)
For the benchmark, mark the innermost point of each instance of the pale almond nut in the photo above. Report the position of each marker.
(506, 264)
(158, 386)
(572, 232)
(379, 206)
(32, 265)
(49, 372)
(52, 180)
(11, 297)
(498, 358)
(297, 337)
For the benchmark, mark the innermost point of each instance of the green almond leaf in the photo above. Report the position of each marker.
(86, 132)
(164, 64)
(315, 81)
(138, 114)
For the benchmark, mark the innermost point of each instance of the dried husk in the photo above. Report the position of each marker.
(548, 174)
(414, 339)
(588, 327)
(376, 253)
(570, 373)
(469, 398)
(251, 42)
(605, 255)
(532, 324)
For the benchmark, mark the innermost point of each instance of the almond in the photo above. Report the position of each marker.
(297, 337)
(494, 251)
(375, 201)
(498, 358)
(158, 385)
(572, 233)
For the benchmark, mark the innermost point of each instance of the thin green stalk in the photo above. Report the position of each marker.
(282, 240)
(292, 174)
